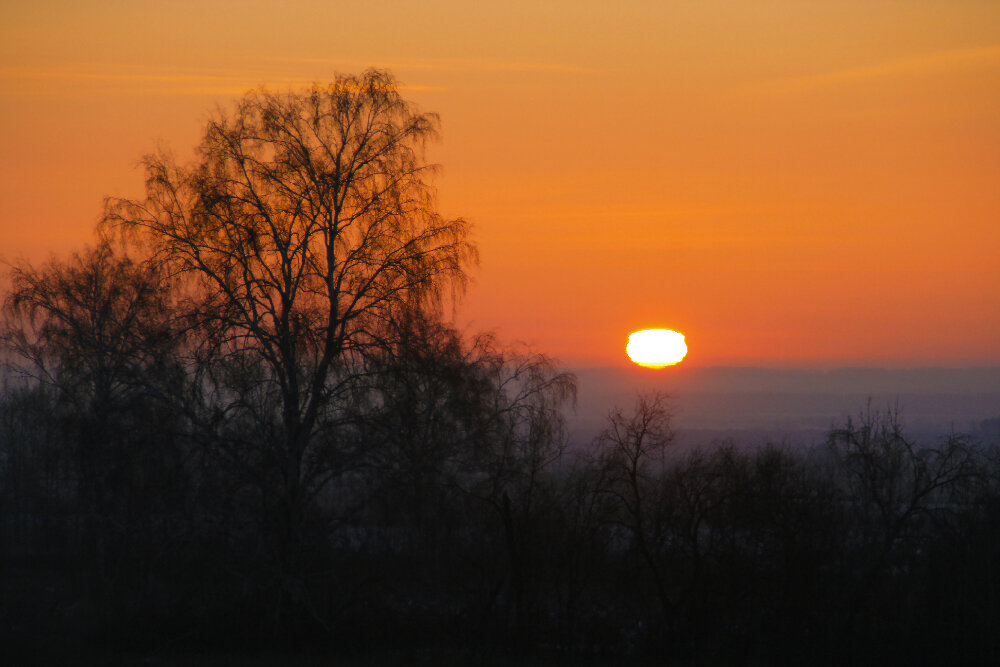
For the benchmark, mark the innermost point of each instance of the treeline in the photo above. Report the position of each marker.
(448, 517)
(242, 423)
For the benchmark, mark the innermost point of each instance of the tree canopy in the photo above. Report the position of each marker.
(304, 228)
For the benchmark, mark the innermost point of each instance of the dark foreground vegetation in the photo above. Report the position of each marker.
(240, 427)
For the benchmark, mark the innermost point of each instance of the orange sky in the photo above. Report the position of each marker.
(788, 183)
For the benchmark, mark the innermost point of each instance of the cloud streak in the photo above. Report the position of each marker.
(56, 80)
(930, 63)
(446, 65)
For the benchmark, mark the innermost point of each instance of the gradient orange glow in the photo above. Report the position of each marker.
(797, 183)
(656, 348)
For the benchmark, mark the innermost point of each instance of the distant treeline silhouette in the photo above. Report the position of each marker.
(242, 423)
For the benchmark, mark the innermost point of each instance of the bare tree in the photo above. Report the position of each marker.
(893, 478)
(480, 423)
(631, 453)
(304, 226)
(91, 325)
(894, 483)
(520, 439)
(96, 333)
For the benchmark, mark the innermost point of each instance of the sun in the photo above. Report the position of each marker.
(656, 348)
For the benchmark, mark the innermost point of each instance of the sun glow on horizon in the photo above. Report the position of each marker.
(656, 348)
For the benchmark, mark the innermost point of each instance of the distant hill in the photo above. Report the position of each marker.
(795, 406)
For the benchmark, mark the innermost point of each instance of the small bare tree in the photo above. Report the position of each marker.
(894, 483)
(89, 326)
(631, 453)
(95, 332)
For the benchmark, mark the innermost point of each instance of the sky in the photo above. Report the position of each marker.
(788, 183)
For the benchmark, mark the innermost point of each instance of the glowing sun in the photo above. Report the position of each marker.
(656, 348)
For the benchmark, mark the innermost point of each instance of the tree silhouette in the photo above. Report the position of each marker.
(91, 326)
(631, 452)
(304, 227)
(895, 485)
(96, 332)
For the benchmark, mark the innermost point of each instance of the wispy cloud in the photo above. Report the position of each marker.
(930, 63)
(445, 65)
(151, 80)
(56, 80)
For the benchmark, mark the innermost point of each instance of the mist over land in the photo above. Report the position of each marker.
(753, 406)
